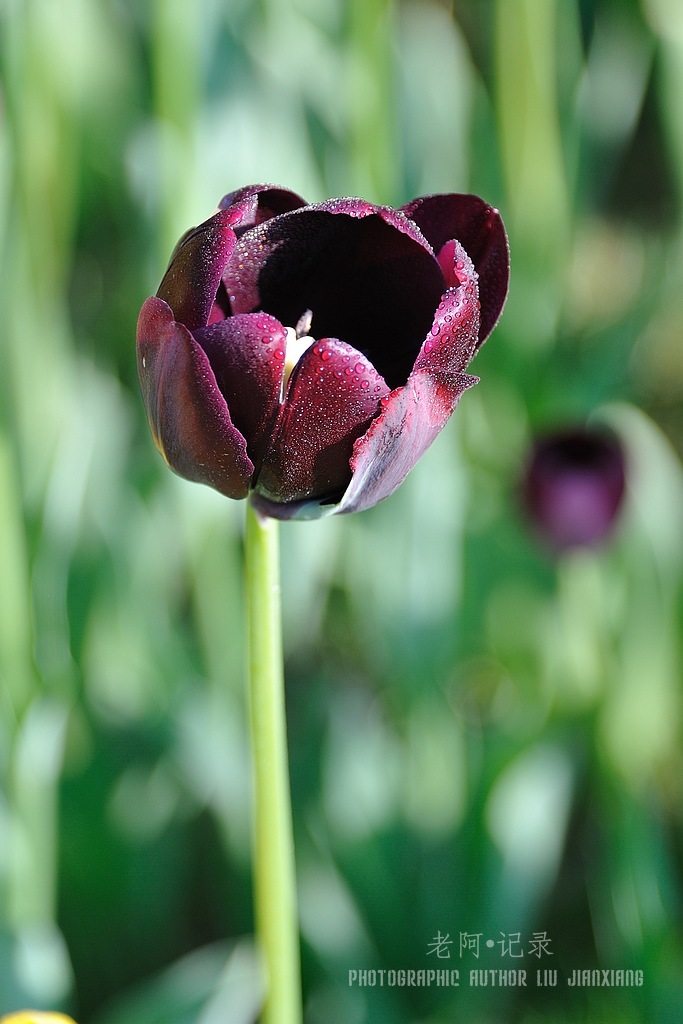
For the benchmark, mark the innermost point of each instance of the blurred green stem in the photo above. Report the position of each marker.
(177, 91)
(538, 215)
(274, 869)
(526, 55)
(373, 142)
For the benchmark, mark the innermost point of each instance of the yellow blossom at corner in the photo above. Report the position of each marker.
(36, 1017)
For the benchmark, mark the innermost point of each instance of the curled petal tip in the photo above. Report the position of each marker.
(480, 230)
(254, 204)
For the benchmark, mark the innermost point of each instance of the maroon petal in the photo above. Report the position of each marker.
(247, 356)
(187, 414)
(410, 421)
(453, 338)
(260, 203)
(333, 393)
(365, 272)
(479, 228)
(413, 415)
(354, 207)
(194, 274)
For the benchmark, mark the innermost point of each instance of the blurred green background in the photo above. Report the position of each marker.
(483, 740)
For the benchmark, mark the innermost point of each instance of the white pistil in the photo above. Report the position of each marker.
(297, 342)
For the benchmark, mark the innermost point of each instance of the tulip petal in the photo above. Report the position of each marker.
(453, 338)
(366, 280)
(333, 393)
(410, 421)
(479, 228)
(354, 207)
(413, 415)
(247, 356)
(187, 414)
(194, 274)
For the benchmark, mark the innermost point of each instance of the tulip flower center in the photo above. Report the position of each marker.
(296, 343)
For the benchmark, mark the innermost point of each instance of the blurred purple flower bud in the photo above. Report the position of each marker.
(309, 355)
(574, 485)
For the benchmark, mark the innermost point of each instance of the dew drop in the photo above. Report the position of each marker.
(360, 368)
(435, 329)
(428, 346)
(325, 354)
(365, 384)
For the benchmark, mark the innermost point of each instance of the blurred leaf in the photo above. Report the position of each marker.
(210, 986)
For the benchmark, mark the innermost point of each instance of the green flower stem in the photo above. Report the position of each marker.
(274, 870)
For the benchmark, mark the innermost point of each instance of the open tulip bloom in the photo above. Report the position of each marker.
(309, 354)
(306, 357)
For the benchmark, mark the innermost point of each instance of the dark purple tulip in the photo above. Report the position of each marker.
(574, 486)
(309, 355)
